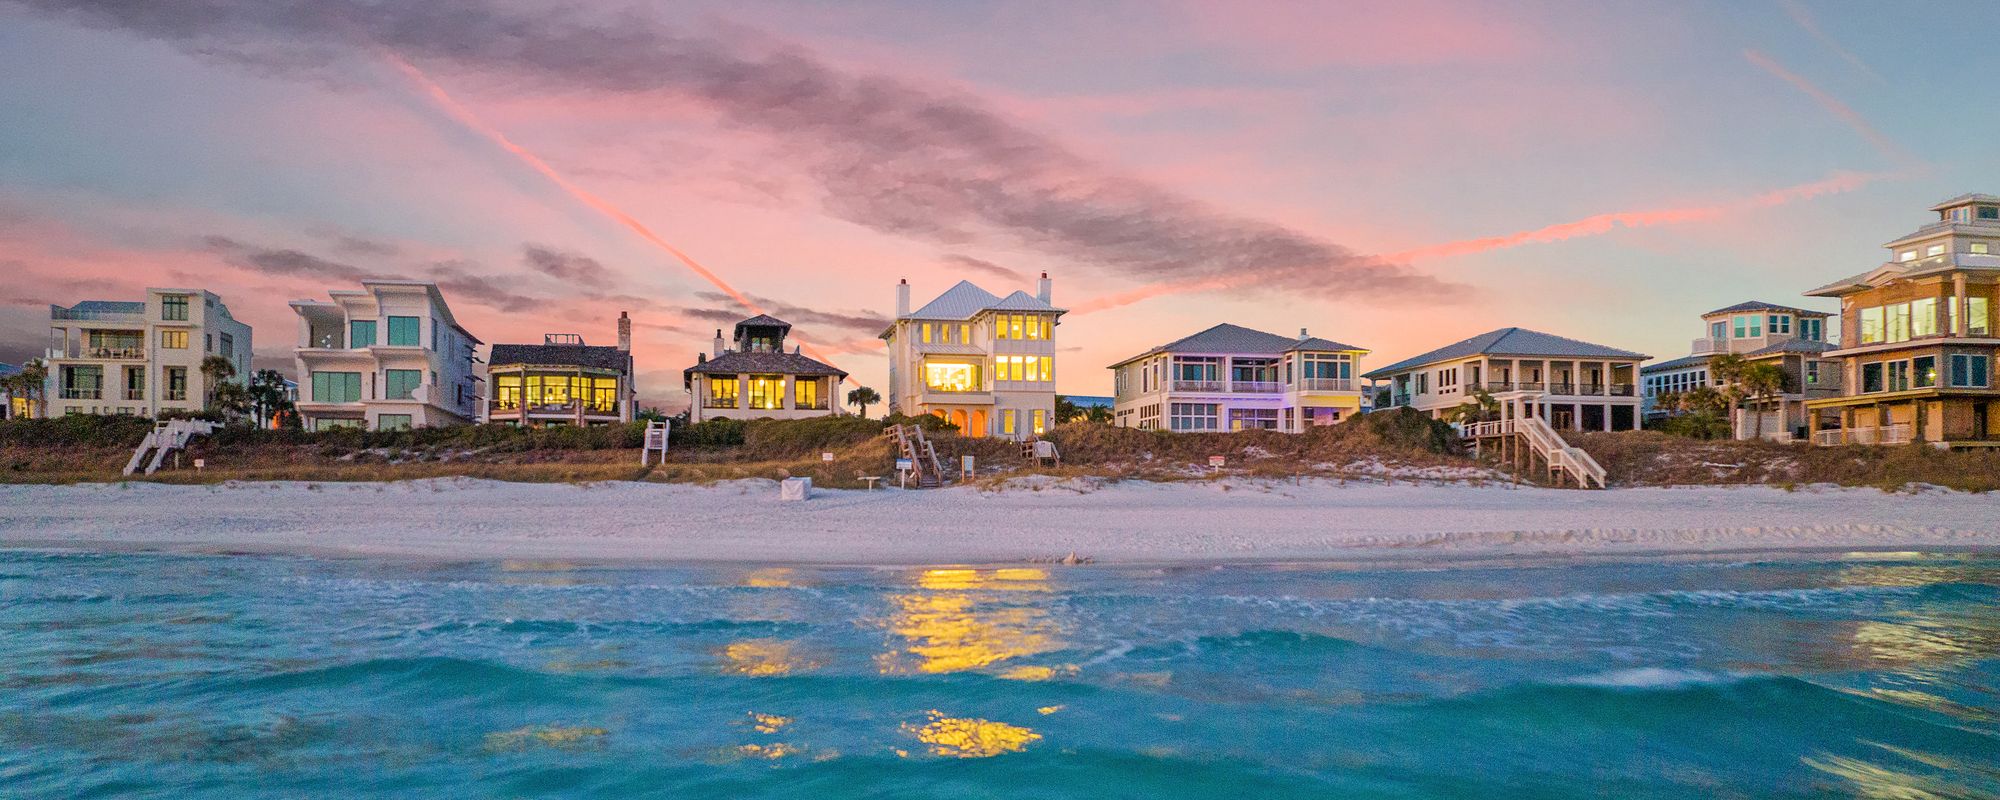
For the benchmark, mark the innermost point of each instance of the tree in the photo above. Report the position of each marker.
(863, 397)
(31, 384)
(1479, 406)
(651, 414)
(215, 370)
(267, 397)
(230, 399)
(1067, 410)
(1097, 414)
(1760, 382)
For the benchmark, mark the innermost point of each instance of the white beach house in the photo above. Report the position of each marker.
(757, 378)
(1571, 384)
(985, 363)
(140, 357)
(388, 356)
(1229, 378)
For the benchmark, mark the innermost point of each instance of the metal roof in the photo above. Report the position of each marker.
(559, 355)
(763, 361)
(1022, 301)
(1510, 342)
(1236, 339)
(962, 301)
(1759, 305)
(1683, 362)
(1789, 346)
(1969, 197)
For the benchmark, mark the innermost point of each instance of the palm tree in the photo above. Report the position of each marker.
(267, 396)
(863, 396)
(215, 370)
(1759, 383)
(1479, 406)
(31, 384)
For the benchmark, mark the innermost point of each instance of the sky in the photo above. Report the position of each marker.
(1394, 175)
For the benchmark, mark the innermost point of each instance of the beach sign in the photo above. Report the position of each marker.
(826, 457)
(1217, 461)
(904, 464)
(199, 463)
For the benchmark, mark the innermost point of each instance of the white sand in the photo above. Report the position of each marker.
(1128, 522)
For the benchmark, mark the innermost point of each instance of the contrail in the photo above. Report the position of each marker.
(1805, 20)
(464, 116)
(1888, 147)
(1588, 226)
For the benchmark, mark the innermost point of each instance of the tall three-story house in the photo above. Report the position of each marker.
(1571, 384)
(388, 356)
(1918, 337)
(985, 363)
(562, 381)
(141, 357)
(1793, 339)
(756, 378)
(1230, 378)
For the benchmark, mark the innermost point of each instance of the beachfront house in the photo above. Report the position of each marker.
(1231, 378)
(562, 381)
(141, 357)
(387, 356)
(13, 405)
(1571, 384)
(753, 376)
(1917, 337)
(983, 362)
(1792, 339)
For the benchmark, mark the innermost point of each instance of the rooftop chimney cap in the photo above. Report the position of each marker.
(904, 280)
(1045, 273)
(1302, 334)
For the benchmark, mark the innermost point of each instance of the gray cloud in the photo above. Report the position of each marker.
(458, 279)
(884, 153)
(567, 266)
(981, 265)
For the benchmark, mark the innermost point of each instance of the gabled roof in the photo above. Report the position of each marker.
(1236, 339)
(1789, 346)
(1896, 270)
(1510, 342)
(962, 301)
(760, 361)
(559, 355)
(1022, 301)
(1969, 197)
(1759, 305)
(1683, 362)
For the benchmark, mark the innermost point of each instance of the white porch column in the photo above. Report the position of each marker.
(1607, 416)
(789, 385)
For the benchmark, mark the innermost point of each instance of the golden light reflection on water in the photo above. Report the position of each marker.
(1878, 782)
(771, 578)
(768, 723)
(763, 658)
(969, 619)
(966, 737)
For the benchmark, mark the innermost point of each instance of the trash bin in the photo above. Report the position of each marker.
(795, 489)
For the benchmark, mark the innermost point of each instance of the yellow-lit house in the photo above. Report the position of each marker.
(757, 378)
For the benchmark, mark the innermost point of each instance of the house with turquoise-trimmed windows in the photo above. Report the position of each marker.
(388, 356)
(1231, 378)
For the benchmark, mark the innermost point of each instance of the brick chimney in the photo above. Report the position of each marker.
(1042, 288)
(903, 298)
(624, 332)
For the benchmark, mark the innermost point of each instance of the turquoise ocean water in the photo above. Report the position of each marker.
(143, 675)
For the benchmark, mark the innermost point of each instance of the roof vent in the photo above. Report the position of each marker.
(1302, 335)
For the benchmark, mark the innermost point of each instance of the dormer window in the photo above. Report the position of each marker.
(1989, 212)
(1935, 250)
(1907, 255)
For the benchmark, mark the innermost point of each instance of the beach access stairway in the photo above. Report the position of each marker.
(912, 446)
(167, 436)
(1527, 441)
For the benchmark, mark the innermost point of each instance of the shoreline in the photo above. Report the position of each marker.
(1227, 521)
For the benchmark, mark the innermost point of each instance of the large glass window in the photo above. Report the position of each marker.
(400, 384)
(767, 391)
(1718, 330)
(1812, 330)
(1041, 421)
(1871, 377)
(1198, 369)
(405, 332)
(1896, 322)
(1871, 325)
(83, 382)
(1924, 317)
(1899, 375)
(1979, 322)
(177, 383)
(361, 333)
(603, 394)
(507, 392)
(1034, 325)
(174, 307)
(949, 376)
(336, 387)
(173, 340)
(1923, 371)
(805, 393)
(1009, 422)
(723, 391)
(135, 383)
(1192, 416)
(1968, 370)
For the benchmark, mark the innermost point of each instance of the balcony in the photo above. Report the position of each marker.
(1622, 390)
(1196, 386)
(134, 353)
(1400, 400)
(1886, 434)
(1257, 387)
(565, 409)
(1326, 384)
(1707, 346)
(77, 393)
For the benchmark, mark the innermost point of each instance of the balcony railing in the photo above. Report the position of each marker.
(174, 395)
(1705, 346)
(1327, 384)
(566, 408)
(106, 353)
(74, 393)
(1197, 386)
(101, 316)
(1400, 400)
(1886, 434)
(1257, 387)
(1622, 390)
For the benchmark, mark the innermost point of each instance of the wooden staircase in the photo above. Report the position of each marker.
(911, 444)
(167, 436)
(1527, 441)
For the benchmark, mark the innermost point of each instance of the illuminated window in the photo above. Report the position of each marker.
(965, 333)
(1907, 255)
(1871, 325)
(1048, 368)
(1925, 371)
(1034, 328)
(1007, 422)
(1924, 317)
(951, 377)
(1935, 250)
(603, 394)
(1978, 321)
(1041, 421)
(1014, 326)
(507, 391)
(1048, 328)
(767, 391)
(927, 333)
(1979, 247)
(723, 391)
(1018, 366)
(1896, 327)
(173, 340)
(805, 393)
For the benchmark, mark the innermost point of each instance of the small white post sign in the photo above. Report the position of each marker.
(903, 467)
(965, 467)
(1217, 461)
(656, 442)
(199, 463)
(826, 457)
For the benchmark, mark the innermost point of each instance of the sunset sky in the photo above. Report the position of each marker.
(1393, 175)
